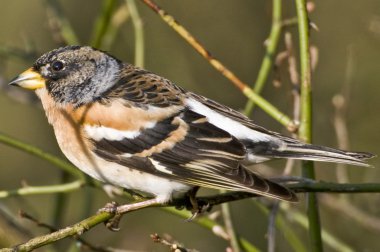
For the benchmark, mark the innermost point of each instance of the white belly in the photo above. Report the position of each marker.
(115, 174)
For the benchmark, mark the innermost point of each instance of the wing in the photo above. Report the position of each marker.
(185, 147)
(142, 88)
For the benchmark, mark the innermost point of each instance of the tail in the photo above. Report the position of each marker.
(299, 150)
(325, 154)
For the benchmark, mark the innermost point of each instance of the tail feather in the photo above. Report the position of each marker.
(256, 184)
(326, 154)
(298, 150)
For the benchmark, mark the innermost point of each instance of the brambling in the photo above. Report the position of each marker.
(134, 129)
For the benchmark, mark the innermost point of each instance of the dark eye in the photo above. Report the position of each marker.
(57, 66)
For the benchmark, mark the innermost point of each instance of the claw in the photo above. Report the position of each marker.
(197, 207)
(192, 217)
(198, 210)
(113, 223)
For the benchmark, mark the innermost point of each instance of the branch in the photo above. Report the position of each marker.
(271, 45)
(83, 226)
(80, 241)
(76, 229)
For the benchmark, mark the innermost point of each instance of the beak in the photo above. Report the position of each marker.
(30, 79)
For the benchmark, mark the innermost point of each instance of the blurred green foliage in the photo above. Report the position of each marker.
(234, 31)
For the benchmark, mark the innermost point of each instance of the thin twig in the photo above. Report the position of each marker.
(35, 190)
(271, 47)
(294, 79)
(173, 246)
(139, 32)
(289, 22)
(227, 218)
(282, 223)
(272, 227)
(243, 87)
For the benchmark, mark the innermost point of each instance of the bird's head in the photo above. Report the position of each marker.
(72, 74)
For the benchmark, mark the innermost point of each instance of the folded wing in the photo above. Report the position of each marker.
(185, 147)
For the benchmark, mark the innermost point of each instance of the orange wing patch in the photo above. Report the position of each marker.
(119, 116)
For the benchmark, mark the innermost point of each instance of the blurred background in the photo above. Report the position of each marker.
(348, 45)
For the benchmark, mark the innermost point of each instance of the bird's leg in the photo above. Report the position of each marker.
(113, 223)
(196, 207)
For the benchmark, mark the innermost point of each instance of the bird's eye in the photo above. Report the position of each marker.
(57, 66)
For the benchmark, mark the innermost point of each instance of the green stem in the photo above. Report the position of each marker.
(102, 23)
(10, 141)
(33, 190)
(305, 130)
(267, 63)
(139, 32)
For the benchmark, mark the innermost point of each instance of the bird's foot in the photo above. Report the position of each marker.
(113, 223)
(198, 210)
(197, 207)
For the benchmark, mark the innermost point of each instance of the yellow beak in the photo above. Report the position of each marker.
(29, 79)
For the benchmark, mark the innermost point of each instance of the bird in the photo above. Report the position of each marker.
(134, 129)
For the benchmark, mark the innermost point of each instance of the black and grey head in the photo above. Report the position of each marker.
(77, 74)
